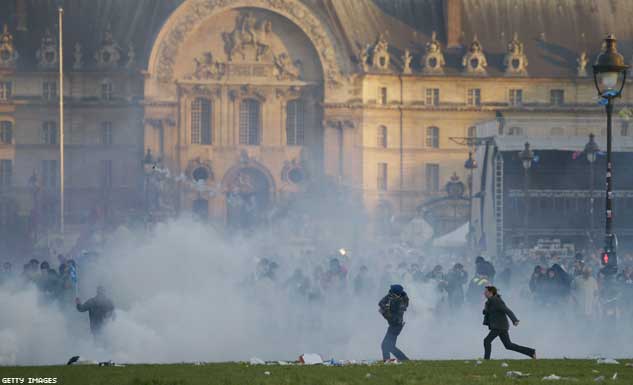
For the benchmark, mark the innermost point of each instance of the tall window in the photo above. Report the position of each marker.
(382, 92)
(432, 177)
(6, 132)
(106, 133)
(106, 90)
(49, 90)
(381, 138)
(6, 89)
(295, 130)
(6, 172)
(106, 174)
(201, 124)
(557, 97)
(474, 97)
(249, 122)
(625, 129)
(381, 182)
(472, 131)
(432, 96)
(49, 133)
(50, 174)
(432, 137)
(515, 131)
(516, 97)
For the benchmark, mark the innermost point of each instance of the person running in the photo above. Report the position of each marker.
(496, 315)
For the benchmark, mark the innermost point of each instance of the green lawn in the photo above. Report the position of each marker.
(414, 373)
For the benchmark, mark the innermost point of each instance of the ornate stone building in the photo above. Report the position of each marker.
(243, 101)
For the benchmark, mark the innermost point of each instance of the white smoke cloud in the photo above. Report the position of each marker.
(185, 293)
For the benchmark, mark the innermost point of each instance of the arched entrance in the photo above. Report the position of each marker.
(248, 197)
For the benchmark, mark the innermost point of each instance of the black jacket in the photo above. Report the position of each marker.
(496, 313)
(393, 306)
(100, 309)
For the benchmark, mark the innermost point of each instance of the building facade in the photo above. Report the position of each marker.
(241, 102)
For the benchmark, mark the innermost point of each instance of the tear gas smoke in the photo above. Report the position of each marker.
(185, 292)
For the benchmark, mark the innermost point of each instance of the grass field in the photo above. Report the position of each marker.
(414, 373)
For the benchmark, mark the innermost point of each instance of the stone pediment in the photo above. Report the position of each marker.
(250, 54)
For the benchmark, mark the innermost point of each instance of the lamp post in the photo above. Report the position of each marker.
(591, 150)
(526, 157)
(609, 74)
(148, 169)
(470, 165)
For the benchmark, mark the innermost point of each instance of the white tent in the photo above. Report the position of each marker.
(456, 238)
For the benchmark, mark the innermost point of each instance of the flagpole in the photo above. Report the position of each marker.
(61, 122)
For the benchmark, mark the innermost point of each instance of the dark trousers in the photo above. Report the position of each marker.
(389, 344)
(505, 339)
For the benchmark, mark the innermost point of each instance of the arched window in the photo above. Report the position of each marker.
(381, 138)
(6, 132)
(201, 124)
(295, 123)
(249, 122)
(49, 133)
(515, 131)
(433, 137)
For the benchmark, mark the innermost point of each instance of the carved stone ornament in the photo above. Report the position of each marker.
(246, 92)
(8, 54)
(406, 61)
(582, 62)
(109, 55)
(78, 62)
(207, 68)
(380, 58)
(433, 60)
(250, 39)
(200, 170)
(474, 62)
(294, 172)
(340, 123)
(363, 57)
(46, 55)
(515, 61)
(286, 69)
(191, 13)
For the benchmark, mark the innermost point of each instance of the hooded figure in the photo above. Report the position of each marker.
(392, 308)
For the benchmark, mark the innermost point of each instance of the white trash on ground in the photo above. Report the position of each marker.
(615, 376)
(516, 374)
(598, 379)
(504, 365)
(267, 373)
(610, 361)
(310, 359)
(257, 361)
(478, 362)
(552, 377)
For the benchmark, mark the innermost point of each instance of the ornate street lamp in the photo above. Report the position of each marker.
(470, 165)
(609, 74)
(591, 150)
(526, 157)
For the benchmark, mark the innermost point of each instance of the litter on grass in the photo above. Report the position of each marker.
(504, 365)
(615, 376)
(610, 361)
(516, 374)
(552, 377)
(598, 379)
(478, 362)
(267, 373)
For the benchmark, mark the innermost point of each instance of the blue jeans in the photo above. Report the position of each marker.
(389, 344)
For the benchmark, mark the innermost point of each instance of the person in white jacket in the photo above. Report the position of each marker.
(585, 293)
